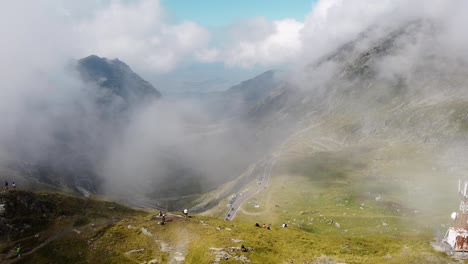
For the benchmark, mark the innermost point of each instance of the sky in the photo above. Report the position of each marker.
(174, 45)
(202, 46)
(217, 16)
(216, 13)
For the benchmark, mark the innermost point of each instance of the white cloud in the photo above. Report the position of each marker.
(259, 42)
(138, 33)
(208, 55)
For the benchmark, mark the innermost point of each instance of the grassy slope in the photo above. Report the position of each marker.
(306, 191)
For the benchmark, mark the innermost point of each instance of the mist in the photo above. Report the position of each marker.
(176, 147)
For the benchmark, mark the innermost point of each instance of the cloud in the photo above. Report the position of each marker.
(258, 42)
(138, 33)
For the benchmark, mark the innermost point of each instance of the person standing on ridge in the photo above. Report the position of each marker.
(13, 184)
(185, 213)
(6, 185)
(18, 251)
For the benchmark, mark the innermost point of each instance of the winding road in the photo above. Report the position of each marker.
(267, 168)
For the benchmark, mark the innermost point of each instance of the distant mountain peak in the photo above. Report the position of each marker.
(117, 78)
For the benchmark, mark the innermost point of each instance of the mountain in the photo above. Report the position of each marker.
(81, 135)
(358, 153)
(117, 79)
(385, 108)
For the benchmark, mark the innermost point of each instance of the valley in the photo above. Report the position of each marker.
(343, 144)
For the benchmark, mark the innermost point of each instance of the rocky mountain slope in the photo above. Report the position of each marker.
(116, 79)
(109, 94)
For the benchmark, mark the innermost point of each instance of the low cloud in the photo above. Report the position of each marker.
(258, 42)
(139, 33)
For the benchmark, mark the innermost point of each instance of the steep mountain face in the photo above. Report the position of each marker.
(396, 92)
(80, 137)
(376, 74)
(116, 79)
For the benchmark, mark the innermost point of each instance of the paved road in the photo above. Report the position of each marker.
(267, 167)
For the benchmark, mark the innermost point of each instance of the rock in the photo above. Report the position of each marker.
(236, 240)
(338, 225)
(215, 249)
(164, 247)
(146, 232)
(130, 227)
(179, 257)
(134, 251)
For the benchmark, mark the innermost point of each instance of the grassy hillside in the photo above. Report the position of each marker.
(369, 202)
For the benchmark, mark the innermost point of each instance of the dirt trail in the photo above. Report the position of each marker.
(43, 244)
(180, 250)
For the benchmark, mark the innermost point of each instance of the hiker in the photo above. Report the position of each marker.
(268, 227)
(13, 184)
(263, 226)
(163, 219)
(18, 251)
(243, 248)
(257, 225)
(185, 212)
(6, 185)
(160, 213)
(284, 225)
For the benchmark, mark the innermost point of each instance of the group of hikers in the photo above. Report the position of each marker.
(13, 185)
(163, 216)
(284, 225)
(263, 226)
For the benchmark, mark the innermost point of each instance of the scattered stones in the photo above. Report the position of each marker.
(179, 257)
(130, 227)
(228, 229)
(164, 247)
(235, 240)
(338, 225)
(222, 254)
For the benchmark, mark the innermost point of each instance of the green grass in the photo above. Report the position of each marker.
(307, 193)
